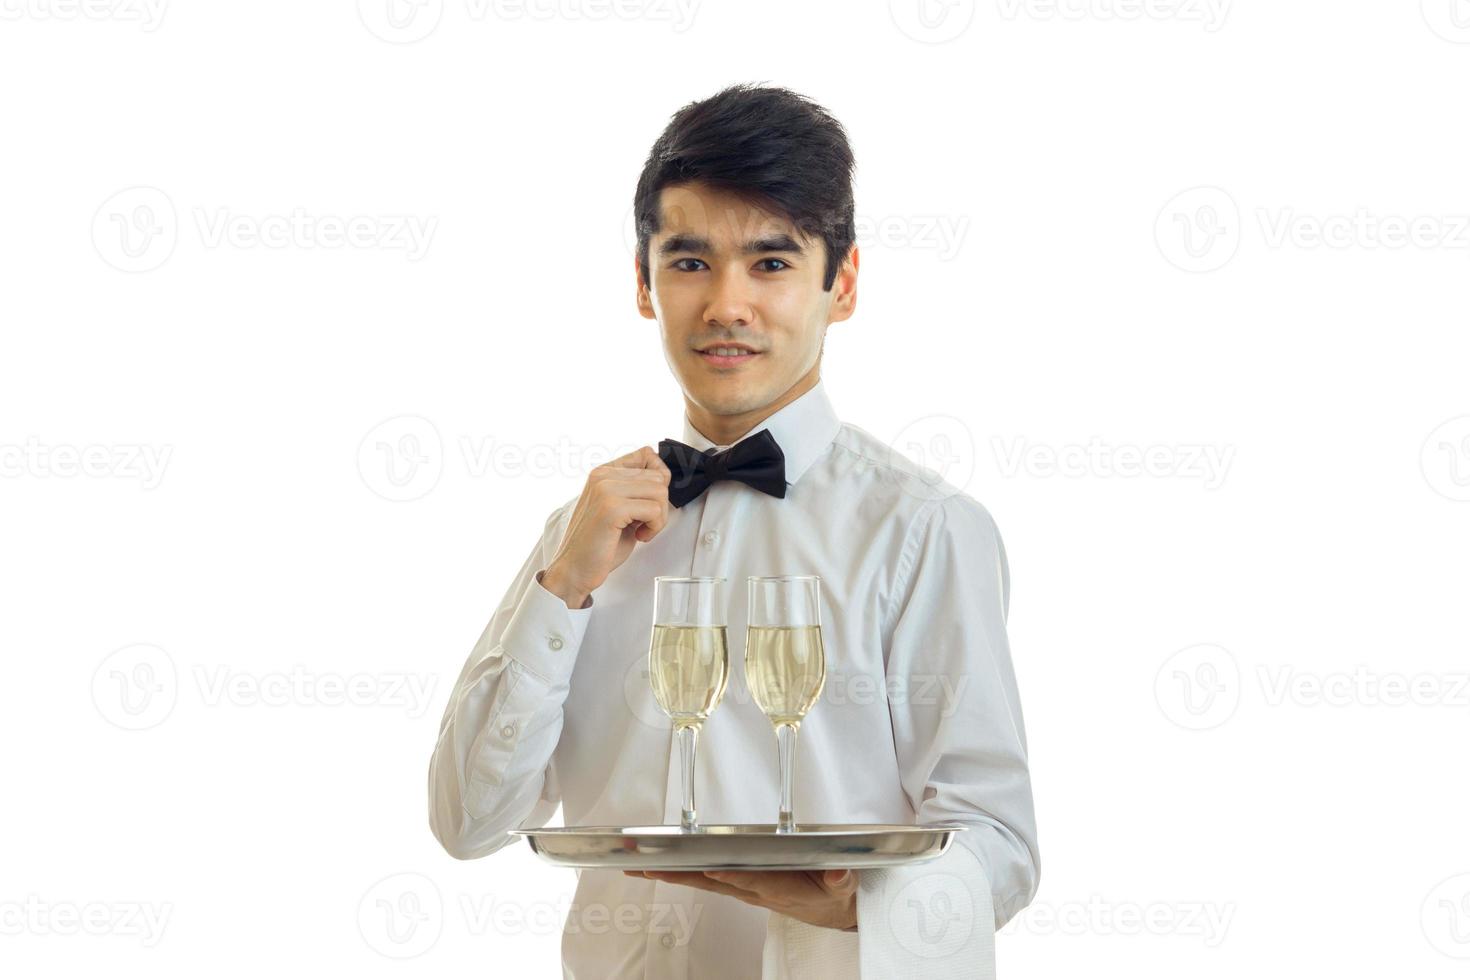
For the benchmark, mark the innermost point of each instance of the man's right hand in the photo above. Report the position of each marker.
(625, 501)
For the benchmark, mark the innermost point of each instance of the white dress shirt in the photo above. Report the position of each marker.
(919, 720)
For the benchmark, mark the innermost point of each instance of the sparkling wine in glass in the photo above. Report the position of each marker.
(688, 665)
(785, 664)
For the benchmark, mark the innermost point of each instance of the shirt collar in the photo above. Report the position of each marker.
(803, 428)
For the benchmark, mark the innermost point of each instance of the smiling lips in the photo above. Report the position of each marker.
(721, 356)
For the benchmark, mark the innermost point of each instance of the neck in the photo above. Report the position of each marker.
(723, 430)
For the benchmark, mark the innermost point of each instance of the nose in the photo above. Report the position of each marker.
(729, 299)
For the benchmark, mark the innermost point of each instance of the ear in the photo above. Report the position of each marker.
(645, 299)
(844, 288)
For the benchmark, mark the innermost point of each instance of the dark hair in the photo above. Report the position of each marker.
(772, 147)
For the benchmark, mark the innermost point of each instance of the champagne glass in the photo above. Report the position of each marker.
(785, 664)
(688, 665)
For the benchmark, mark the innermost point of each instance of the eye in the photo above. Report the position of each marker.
(780, 262)
(678, 264)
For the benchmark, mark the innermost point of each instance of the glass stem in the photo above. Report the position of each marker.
(786, 747)
(688, 739)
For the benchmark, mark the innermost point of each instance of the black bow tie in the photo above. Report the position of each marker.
(756, 461)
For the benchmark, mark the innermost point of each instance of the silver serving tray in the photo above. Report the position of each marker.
(741, 846)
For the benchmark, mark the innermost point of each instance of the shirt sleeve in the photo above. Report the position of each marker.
(954, 703)
(961, 747)
(491, 769)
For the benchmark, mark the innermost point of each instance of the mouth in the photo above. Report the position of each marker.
(727, 355)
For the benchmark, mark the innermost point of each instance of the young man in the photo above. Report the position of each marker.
(745, 256)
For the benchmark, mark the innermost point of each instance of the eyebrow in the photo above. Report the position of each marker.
(693, 243)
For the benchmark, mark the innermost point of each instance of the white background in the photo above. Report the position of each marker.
(1091, 233)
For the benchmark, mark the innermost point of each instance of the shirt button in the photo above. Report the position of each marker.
(507, 731)
(554, 643)
(712, 538)
(668, 940)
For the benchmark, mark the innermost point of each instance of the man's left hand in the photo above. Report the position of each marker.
(821, 898)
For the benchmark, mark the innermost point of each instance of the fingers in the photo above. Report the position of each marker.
(698, 879)
(839, 882)
(643, 458)
(643, 488)
(621, 512)
(781, 886)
